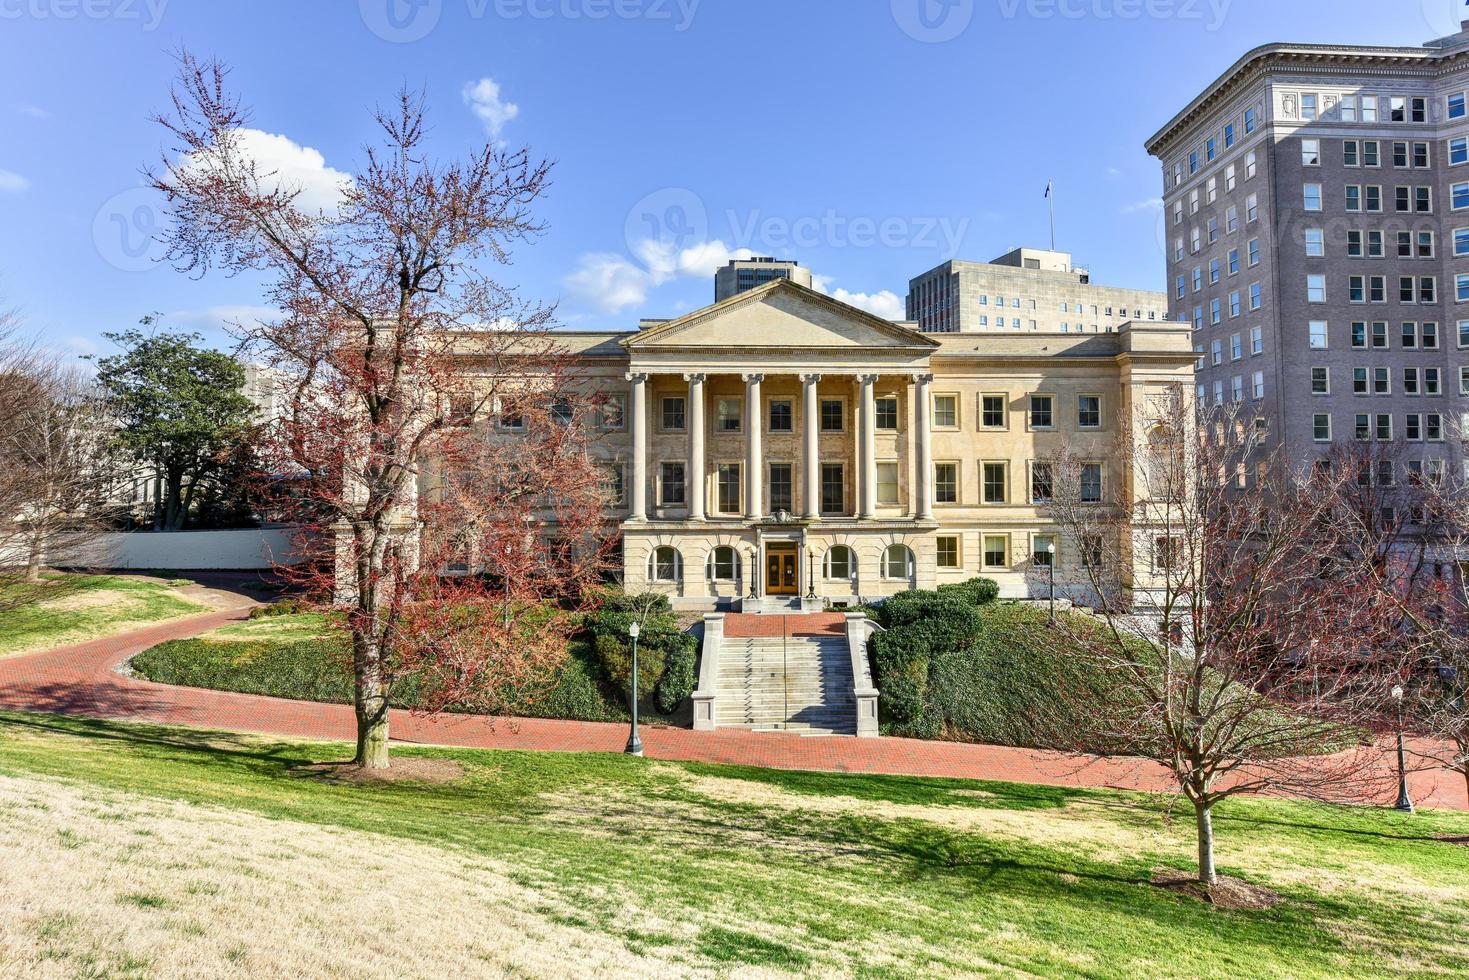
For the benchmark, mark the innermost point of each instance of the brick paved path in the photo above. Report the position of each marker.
(81, 680)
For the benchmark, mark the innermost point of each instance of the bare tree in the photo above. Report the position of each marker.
(56, 471)
(1233, 638)
(403, 361)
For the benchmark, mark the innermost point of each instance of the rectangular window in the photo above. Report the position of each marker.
(1362, 427)
(887, 484)
(1042, 549)
(672, 414)
(1379, 335)
(1315, 243)
(947, 551)
(995, 482)
(1257, 341)
(1350, 157)
(1384, 427)
(946, 483)
(781, 488)
(887, 413)
(782, 415)
(1317, 333)
(1257, 385)
(728, 488)
(831, 415)
(1459, 196)
(1321, 427)
(1456, 105)
(996, 551)
(671, 485)
(992, 411)
(1042, 414)
(1320, 381)
(1089, 411)
(945, 411)
(615, 485)
(1042, 484)
(1312, 199)
(1091, 483)
(1316, 288)
(727, 413)
(1310, 153)
(833, 489)
(1430, 336)
(614, 412)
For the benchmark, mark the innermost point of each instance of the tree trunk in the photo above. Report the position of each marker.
(1203, 814)
(33, 558)
(372, 726)
(370, 695)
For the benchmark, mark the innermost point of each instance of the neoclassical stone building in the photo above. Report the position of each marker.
(782, 445)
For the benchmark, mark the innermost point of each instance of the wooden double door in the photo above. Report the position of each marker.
(782, 569)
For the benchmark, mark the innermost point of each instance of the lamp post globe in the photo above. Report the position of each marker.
(634, 743)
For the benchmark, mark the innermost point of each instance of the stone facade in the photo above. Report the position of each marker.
(1326, 307)
(864, 471)
(1027, 290)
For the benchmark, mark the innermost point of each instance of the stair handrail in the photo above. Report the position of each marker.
(705, 708)
(859, 628)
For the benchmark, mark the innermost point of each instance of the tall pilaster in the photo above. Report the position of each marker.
(811, 442)
(867, 474)
(922, 415)
(754, 456)
(695, 422)
(638, 511)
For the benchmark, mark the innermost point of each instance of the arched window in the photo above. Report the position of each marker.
(665, 564)
(724, 564)
(897, 562)
(840, 562)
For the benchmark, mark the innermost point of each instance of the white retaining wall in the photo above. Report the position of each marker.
(236, 549)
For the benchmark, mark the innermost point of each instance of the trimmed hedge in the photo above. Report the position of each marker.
(592, 684)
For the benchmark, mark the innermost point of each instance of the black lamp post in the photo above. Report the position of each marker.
(811, 572)
(754, 569)
(1405, 803)
(634, 744)
(1051, 565)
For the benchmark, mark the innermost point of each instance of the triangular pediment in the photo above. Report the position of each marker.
(781, 314)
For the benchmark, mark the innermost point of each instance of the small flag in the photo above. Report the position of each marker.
(1048, 188)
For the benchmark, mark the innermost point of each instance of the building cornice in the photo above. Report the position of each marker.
(1281, 58)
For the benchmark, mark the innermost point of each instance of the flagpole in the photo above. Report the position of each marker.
(1051, 202)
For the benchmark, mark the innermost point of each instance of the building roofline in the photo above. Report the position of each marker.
(1320, 53)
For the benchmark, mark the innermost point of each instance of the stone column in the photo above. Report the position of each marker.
(923, 440)
(695, 422)
(867, 475)
(638, 511)
(754, 456)
(811, 440)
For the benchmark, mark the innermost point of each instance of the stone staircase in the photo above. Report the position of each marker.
(787, 683)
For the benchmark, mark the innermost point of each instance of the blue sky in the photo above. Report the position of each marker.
(868, 139)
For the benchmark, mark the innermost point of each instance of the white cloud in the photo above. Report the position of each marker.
(1113, 172)
(611, 283)
(483, 99)
(34, 111)
(12, 182)
(282, 162)
(608, 282)
(885, 303)
(1147, 204)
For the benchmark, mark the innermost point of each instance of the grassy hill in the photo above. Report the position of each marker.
(142, 850)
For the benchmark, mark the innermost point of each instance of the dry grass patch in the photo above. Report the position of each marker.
(90, 889)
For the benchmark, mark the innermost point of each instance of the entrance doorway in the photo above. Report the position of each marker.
(781, 574)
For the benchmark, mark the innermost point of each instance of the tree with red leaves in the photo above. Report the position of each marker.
(435, 436)
(1239, 649)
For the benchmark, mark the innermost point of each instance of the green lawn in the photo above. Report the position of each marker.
(83, 607)
(172, 851)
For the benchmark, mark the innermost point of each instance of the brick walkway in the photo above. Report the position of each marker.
(744, 625)
(81, 680)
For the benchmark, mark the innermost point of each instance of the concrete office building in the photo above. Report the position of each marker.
(742, 275)
(1316, 207)
(1029, 290)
